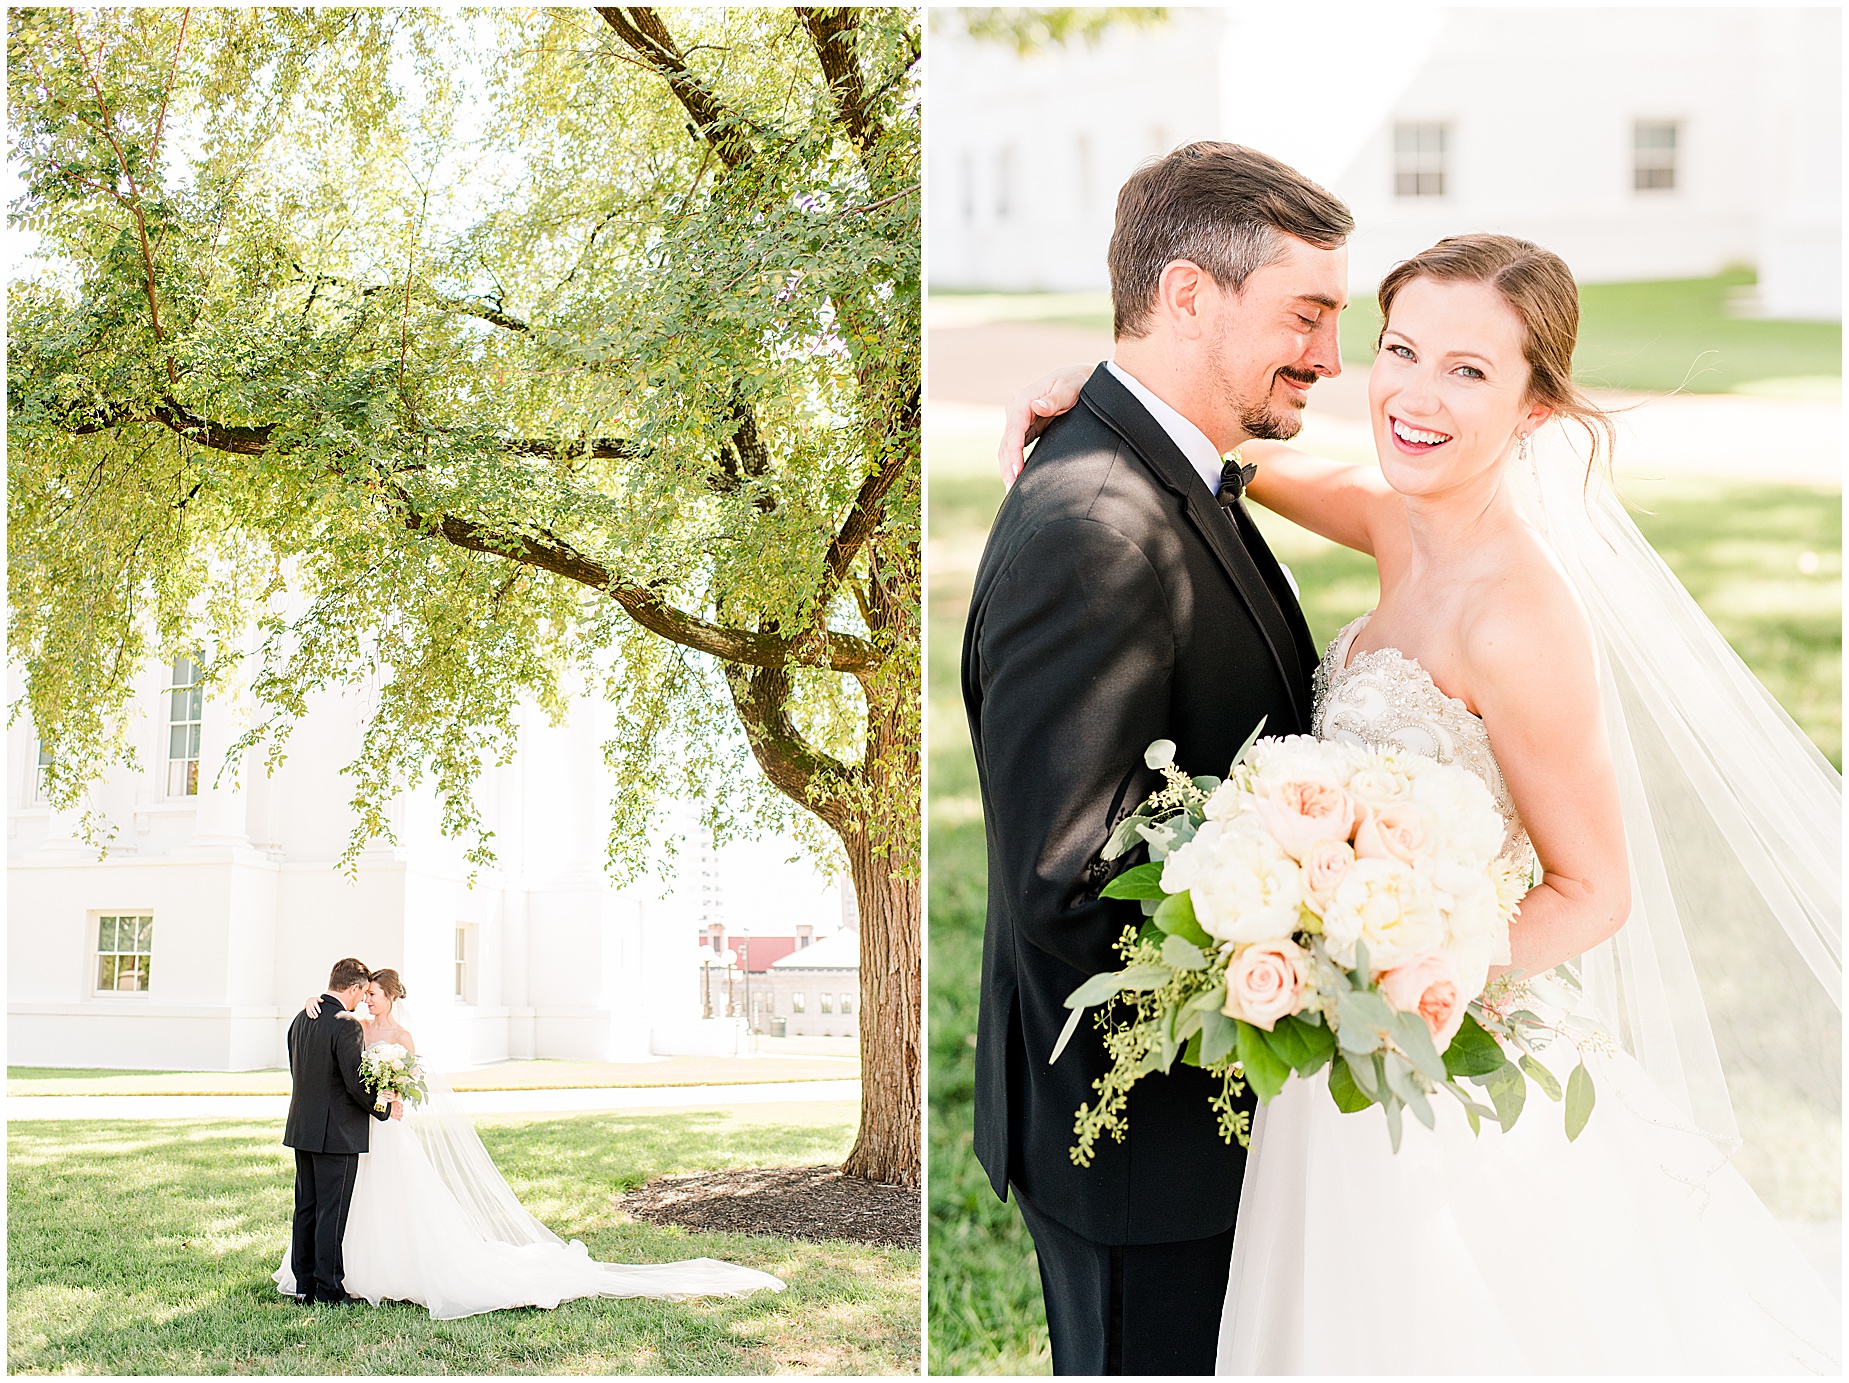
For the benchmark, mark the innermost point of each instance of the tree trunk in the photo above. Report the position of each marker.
(890, 901)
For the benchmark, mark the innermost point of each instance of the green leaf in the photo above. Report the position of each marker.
(1265, 1071)
(1541, 1076)
(1219, 1035)
(1191, 1054)
(1508, 1091)
(1348, 1097)
(1413, 1038)
(1096, 990)
(1136, 978)
(1304, 1047)
(1473, 1052)
(1126, 837)
(1065, 1034)
(1580, 1099)
(1392, 1106)
(1183, 954)
(1365, 1020)
(1143, 881)
(1251, 740)
(1176, 917)
(1476, 1124)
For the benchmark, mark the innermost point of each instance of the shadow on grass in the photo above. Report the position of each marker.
(148, 1247)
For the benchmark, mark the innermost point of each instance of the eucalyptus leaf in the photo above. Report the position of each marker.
(1250, 740)
(1541, 1076)
(1135, 978)
(1508, 1091)
(1580, 1099)
(1392, 1107)
(1159, 755)
(1415, 1039)
(1365, 1020)
(1126, 837)
(1097, 989)
(1219, 1035)
(1065, 1034)
(1182, 954)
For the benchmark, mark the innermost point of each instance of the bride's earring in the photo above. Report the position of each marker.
(1523, 453)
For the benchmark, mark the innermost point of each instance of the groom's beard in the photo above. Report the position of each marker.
(1271, 422)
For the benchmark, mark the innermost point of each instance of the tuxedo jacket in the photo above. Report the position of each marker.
(1116, 603)
(328, 1105)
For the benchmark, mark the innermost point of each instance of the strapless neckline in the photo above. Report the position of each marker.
(1343, 649)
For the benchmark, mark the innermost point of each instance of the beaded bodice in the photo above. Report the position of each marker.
(1384, 697)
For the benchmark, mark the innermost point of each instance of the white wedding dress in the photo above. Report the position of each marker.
(432, 1222)
(1635, 1249)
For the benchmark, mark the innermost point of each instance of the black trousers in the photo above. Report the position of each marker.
(1129, 1308)
(323, 1191)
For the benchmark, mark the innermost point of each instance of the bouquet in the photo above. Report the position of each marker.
(1325, 905)
(391, 1072)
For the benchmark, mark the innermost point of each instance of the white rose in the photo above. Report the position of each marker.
(1227, 801)
(1467, 817)
(1243, 886)
(1299, 758)
(1389, 907)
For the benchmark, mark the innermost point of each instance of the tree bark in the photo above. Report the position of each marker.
(887, 1148)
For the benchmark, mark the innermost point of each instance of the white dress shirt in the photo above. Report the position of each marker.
(1194, 444)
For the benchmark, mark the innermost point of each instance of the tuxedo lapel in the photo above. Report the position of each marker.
(1119, 410)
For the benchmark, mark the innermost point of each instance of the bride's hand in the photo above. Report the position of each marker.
(1031, 409)
(313, 1006)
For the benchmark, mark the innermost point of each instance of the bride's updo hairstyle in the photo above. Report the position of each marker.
(388, 981)
(1537, 284)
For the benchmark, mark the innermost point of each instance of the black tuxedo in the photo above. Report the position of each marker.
(328, 1128)
(1116, 603)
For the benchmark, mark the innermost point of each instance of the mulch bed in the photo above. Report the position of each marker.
(815, 1203)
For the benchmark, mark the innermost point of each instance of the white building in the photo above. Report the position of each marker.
(1637, 143)
(218, 908)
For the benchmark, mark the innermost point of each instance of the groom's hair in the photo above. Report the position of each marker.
(346, 974)
(1222, 206)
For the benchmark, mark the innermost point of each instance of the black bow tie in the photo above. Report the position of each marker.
(1233, 480)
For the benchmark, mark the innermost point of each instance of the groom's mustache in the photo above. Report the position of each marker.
(1303, 377)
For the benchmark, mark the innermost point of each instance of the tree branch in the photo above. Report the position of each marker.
(823, 648)
(793, 766)
(641, 28)
(834, 33)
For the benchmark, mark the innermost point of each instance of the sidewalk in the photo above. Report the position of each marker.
(578, 1101)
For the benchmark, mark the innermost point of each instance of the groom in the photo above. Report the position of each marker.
(1125, 596)
(328, 1108)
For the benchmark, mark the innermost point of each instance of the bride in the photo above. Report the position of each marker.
(432, 1221)
(1686, 837)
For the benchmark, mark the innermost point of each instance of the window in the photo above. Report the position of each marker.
(124, 948)
(847, 1003)
(465, 969)
(186, 699)
(38, 773)
(1419, 159)
(799, 1003)
(828, 1002)
(1653, 156)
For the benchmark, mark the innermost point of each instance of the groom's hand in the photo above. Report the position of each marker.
(1031, 409)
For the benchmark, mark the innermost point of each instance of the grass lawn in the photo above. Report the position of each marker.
(1740, 550)
(1656, 336)
(147, 1247)
(505, 1075)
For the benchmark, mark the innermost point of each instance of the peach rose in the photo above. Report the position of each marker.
(1428, 986)
(1300, 812)
(1324, 864)
(1264, 982)
(1404, 831)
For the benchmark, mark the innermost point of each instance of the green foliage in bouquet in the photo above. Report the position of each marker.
(1168, 1002)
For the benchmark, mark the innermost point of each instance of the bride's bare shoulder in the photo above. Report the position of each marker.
(1525, 627)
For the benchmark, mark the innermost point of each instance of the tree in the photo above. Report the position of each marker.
(510, 347)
